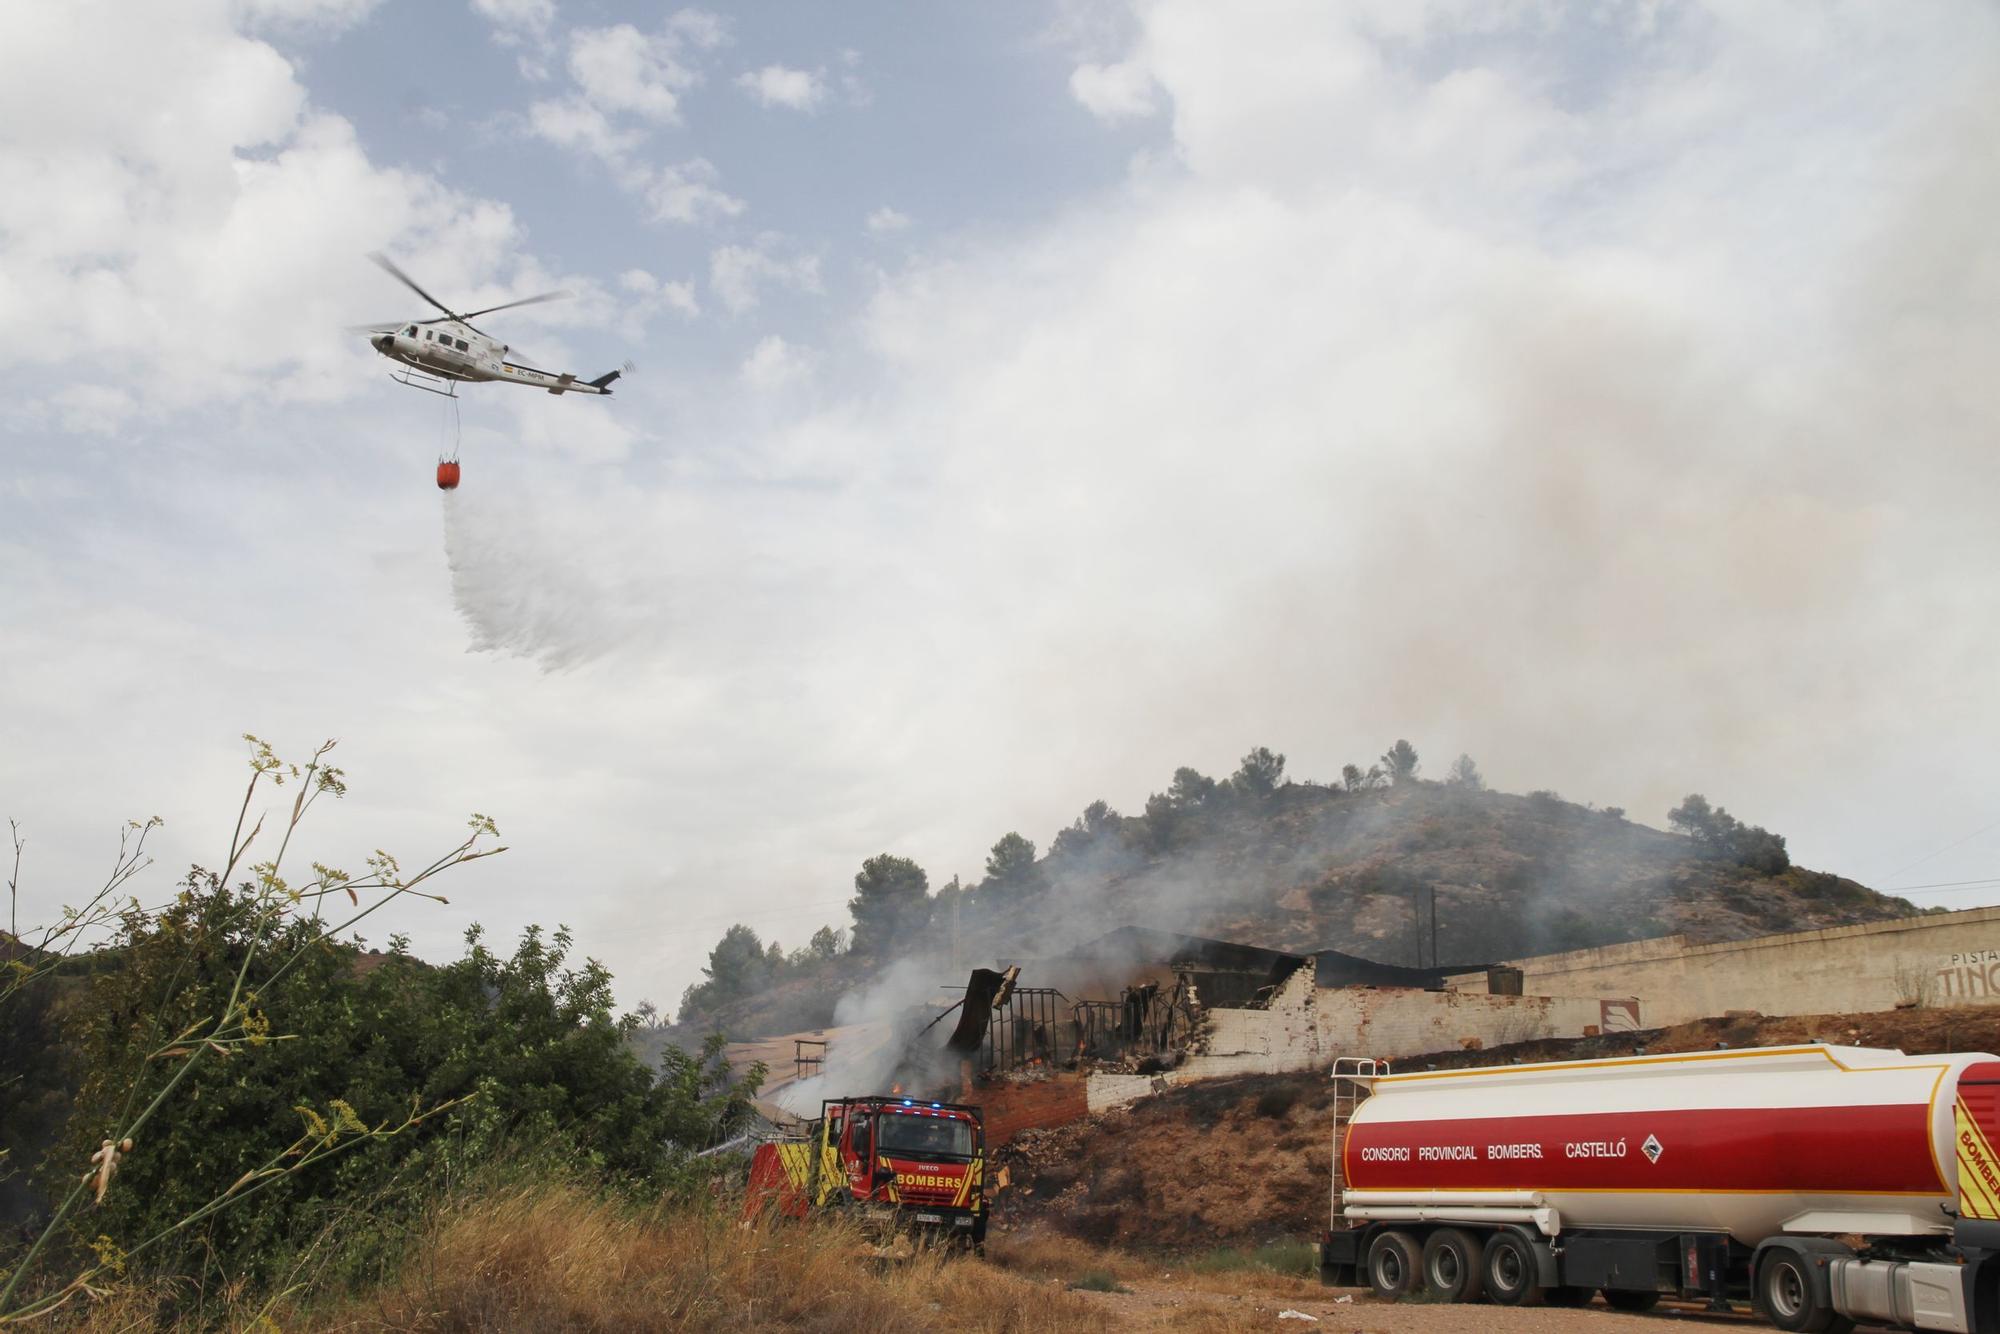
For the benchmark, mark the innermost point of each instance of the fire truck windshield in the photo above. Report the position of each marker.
(924, 1136)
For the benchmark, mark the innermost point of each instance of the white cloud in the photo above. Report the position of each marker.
(736, 274)
(651, 295)
(1493, 408)
(780, 86)
(687, 193)
(574, 122)
(774, 364)
(1618, 417)
(94, 409)
(621, 72)
(886, 219)
(517, 21)
(622, 69)
(326, 15)
(699, 28)
(149, 243)
(1114, 92)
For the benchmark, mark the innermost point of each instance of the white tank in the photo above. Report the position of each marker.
(1810, 1139)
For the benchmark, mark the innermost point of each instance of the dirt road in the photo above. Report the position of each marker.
(1160, 1304)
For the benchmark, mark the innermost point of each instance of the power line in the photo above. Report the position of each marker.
(1943, 885)
(1941, 851)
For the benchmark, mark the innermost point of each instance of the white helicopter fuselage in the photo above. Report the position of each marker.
(451, 351)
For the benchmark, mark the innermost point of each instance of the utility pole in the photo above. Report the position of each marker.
(956, 966)
(1417, 896)
(1417, 922)
(1434, 926)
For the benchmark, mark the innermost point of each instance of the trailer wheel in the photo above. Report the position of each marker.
(1630, 1299)
(1393, 1265)
(1453, 1271)
(1512, 1274)
(1785, 1291)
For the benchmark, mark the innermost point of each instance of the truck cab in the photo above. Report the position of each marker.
(905, 1162)
(923, 1163)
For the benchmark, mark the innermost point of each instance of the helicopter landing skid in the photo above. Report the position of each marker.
(417, 379)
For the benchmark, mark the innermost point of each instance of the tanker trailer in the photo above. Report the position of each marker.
(1824, 1184)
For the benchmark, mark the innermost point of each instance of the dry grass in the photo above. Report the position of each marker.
(544, 1255)
(1270, 1271)
(1052, 1255)
(556, 1258)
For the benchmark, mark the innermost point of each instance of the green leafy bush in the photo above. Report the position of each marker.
(252, 1092)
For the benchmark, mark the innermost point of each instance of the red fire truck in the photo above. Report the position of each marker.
(1823, 1184)
(907, 1163)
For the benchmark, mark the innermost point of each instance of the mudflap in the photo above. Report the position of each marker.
(1340, 1258)
(1978, 1241)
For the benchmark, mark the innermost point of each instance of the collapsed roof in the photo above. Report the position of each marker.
(1331, 968)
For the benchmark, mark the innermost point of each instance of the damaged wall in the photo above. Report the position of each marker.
(1306, 1026)
(1938, 959)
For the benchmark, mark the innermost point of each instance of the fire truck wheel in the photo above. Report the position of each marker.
(1393, 1261)
(1626, 1299)
(1513, 1276)
(1785, 1291)
(1452, 1268)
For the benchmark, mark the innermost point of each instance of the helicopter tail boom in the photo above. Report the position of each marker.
(567, 383)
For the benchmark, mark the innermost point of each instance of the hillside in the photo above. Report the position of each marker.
(1307, 866)
(1146, 1176)
(1513, 875)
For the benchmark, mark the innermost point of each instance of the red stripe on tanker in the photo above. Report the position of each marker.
(1810, 1138)
(1808, 1150)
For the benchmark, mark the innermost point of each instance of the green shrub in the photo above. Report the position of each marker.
(256, 1100)
(1097, 1280)
(1281, 1257)
(526, 1047)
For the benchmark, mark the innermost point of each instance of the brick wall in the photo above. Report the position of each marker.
(1010, 1108)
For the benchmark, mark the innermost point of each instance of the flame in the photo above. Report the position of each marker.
(895, 1090)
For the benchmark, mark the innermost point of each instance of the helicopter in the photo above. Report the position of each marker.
(439, 354)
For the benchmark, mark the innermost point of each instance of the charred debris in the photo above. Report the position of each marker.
(1134, 1000)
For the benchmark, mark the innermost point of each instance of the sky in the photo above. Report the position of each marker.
(1028, 399)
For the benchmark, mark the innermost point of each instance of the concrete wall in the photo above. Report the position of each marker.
(1942, 959)
(1305, 1027)
(1361, 1021)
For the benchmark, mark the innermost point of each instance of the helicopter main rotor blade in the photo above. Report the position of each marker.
(389, 266)
(524, 301)
(375, 328)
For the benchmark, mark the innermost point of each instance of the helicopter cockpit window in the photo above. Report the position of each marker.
(410, 332)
